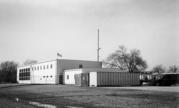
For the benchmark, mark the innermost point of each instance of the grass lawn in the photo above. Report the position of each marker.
(61, 96)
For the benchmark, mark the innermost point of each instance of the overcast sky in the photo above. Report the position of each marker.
(38, 29)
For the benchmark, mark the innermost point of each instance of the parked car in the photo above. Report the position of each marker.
(145, 78)
(165, 79)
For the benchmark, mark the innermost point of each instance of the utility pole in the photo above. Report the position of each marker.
(98, 47)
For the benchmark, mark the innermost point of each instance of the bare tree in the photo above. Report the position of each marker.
(173, 69)
(117, 59)
(158, 69)
(30, 61)
(136, 62)
(123, 60)
(8, 71)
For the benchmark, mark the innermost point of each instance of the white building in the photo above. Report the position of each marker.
(51, 72)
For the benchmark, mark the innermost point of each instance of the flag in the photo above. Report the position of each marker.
(59, 55)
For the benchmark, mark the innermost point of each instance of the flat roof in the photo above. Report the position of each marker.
(35, 63)
(55, 60)
(78, 60)
(96, 70)
(23, 66)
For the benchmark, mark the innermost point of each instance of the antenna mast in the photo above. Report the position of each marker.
(98, 47)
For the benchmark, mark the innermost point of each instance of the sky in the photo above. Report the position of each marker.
(38, 29)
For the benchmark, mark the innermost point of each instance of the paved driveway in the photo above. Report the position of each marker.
(153, 88)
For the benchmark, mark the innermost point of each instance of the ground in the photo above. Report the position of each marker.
(65, 96)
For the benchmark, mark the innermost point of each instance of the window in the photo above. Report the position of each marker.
(37, 67)
(51, 76)
(24, 74)
(51, 66)
(40, 67)
(34, 68)
(80, 66)
(67, 76)
(44, 67)
(47, 66)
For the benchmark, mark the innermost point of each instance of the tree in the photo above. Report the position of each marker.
(158, 69)
(136, 62)
(173, 69)
(117, 59)
(29, 61)
(8, 71)
(123, 60)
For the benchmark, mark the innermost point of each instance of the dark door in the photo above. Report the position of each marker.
(60, 79)
(85, 79)
(78, 79)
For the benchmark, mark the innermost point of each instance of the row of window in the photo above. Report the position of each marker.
(24, 70)
(47, 76)
(24, 78)
(42, 67)
(24, 75)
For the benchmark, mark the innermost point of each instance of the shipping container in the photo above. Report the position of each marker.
(113, 79)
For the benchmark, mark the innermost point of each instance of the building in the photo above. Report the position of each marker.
(100, 77)
(75, 72)
(51, 72)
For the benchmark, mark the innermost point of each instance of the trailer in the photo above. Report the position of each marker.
(105, 79)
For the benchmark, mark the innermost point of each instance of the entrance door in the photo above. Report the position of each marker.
(60, 79)
(85, 79)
